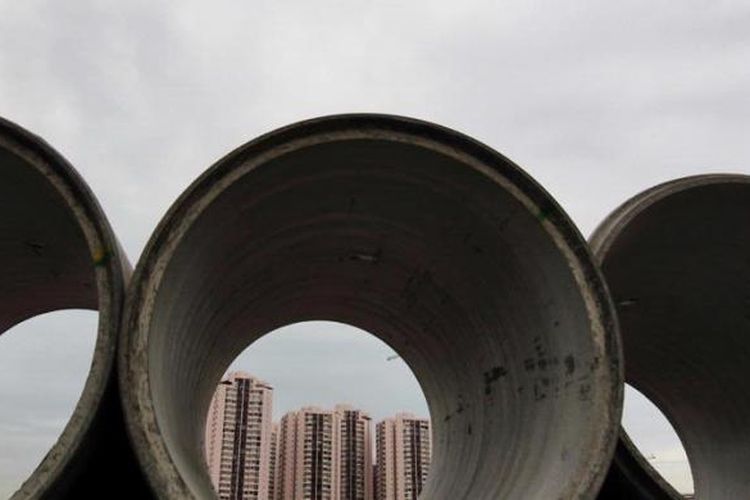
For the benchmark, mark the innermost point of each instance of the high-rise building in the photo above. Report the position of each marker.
(355, 476)
(325, 455)
(272, 469)
(308, 443)
(238, 438)
(404, 453)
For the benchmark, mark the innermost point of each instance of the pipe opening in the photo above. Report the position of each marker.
(57, 253)
(46, 260)
(345, 376)
(323, 363)
(654, 436)
(676, 261)
(44, 362)
(438, 246)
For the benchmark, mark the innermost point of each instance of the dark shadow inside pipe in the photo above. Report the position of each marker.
(46, 261)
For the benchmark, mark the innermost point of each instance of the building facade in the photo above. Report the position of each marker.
(404, 454)
(355, 438)
(273, 469)
(312, 453)
(308, 445)
(325, 455)
(239, 438)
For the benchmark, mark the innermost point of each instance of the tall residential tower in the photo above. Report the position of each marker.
(355, 473)
(238, 438)
(308, 445)
(325, 455)
(404, 453)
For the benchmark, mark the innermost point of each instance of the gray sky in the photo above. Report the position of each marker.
(371, 379)
(597, 100)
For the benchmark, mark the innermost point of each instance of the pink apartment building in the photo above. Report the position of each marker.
(239, 438)
(404, 453)
(355, 475)
(274, 457)
(325, 455)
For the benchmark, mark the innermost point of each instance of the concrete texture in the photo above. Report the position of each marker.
(57, 251)
(677, 261)
(436, 244)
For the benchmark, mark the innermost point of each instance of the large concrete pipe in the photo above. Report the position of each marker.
(437, 245)
(677, 262)
(57, 251)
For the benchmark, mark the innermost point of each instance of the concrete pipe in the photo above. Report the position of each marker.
(677, 262)
(57, 251)
(437, 245)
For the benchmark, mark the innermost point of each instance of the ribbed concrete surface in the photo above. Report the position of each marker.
(677, 262)
(57, 251)
(436, 244)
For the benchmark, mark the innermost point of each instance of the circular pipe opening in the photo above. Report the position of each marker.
(654, 436)
(57, 252)
(676, 260)
(324, 363)
(438, 245)
(322, 368)
(47, 354)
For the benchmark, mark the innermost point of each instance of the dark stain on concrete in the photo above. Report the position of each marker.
(491, 376)
(570, 364)
(36, 247)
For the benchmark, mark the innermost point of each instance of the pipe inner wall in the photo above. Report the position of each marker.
(677, 262)
(434, 243)
(57, 251)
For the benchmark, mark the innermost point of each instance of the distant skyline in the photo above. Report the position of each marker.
(331, 450)
(240, 438)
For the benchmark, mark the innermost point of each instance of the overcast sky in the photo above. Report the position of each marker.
(596, 100)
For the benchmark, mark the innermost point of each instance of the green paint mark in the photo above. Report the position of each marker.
(544, 213)
(101, 257)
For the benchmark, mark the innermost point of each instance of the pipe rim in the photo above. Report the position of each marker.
(628, 457)
(143, 427)
(611, 227)
(111, 270)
